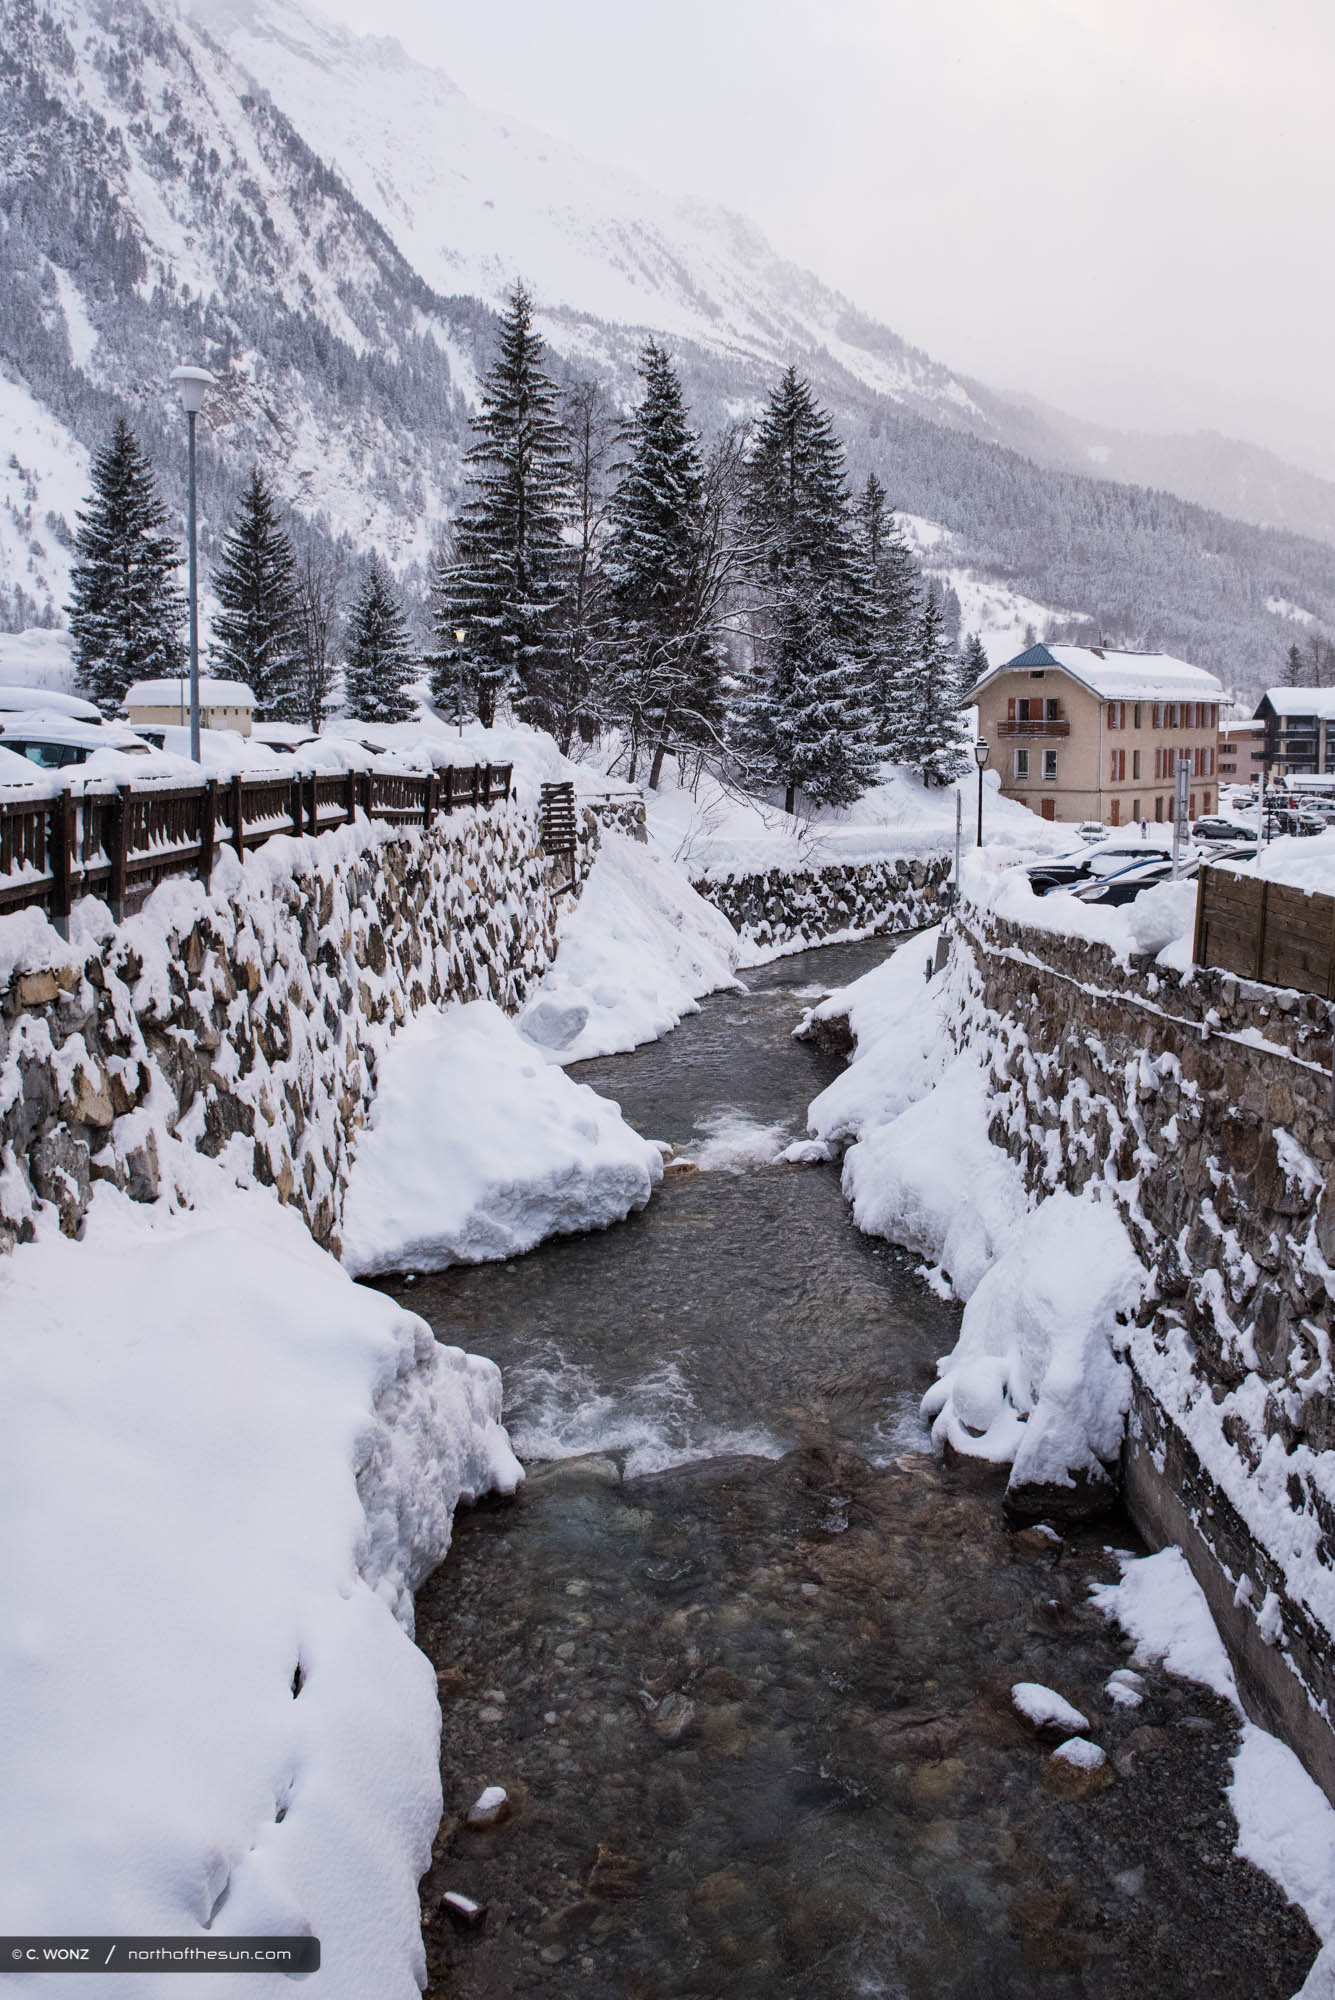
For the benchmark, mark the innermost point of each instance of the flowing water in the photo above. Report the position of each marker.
(741, 1649)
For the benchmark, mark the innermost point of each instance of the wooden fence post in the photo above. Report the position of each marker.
(1258, 970)
(294, 806)
(238, 816)
(312, 806)
(449, 788)
(1198, 940)
(208, 827)
(486, 784)
(432, 797)
(118, 844)
(364, 791)
(61, 833)
(352, 796)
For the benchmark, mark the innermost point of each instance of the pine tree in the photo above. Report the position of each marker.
(256, 633)
(125, 609)
(508, 576)
(890, 587)
(975, 662)
(379, 661)
(666, 683)
(1297, 666)
(803, 721)
(939, 747)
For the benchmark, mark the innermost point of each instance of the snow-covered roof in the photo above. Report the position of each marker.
(1114, 675)
(1302, 701)
(168, 693)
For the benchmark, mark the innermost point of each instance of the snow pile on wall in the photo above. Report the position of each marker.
(226, 1466)
(1034, 1380)
(637, 952)
(478, 1149)
(1286, 1825)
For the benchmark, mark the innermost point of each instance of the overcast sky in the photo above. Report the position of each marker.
(1122, 206)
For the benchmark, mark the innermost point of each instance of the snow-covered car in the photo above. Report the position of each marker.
(47, 701)
(1214, 828)
(1091, 830)
(223, 753)
(20, 772)
(1066, 871)
(53, 742)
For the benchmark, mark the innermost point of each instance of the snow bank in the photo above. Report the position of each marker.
(1153, 922)
(477, 1149)
(225, 1467)
(1286, 1825)
(1035, 1379)
(636, 953)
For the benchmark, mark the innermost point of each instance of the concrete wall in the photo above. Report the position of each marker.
(1202, 1103)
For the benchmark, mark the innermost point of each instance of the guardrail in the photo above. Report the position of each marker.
(119, 843)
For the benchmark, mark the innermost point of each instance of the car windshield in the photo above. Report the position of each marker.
(48, 756)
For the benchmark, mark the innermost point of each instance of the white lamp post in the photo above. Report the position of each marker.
(191, 385)
(980, 754)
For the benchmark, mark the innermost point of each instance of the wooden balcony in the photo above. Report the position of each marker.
(1029, 731)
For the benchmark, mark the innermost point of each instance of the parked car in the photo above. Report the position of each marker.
(1065, 871)
(1215, 828)
(46, 701)
(1091, 830)
(53, 742)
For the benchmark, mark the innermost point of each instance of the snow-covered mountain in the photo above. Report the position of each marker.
(331, 225)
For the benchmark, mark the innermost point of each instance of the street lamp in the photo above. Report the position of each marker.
(980, 750)
(191, 385)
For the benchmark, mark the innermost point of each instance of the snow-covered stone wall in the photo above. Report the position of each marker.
(781, 908)
(244, 1021)
(1202, 1105)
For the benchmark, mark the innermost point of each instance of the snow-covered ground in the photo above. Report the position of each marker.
(226, 1468)
(477, 1149)
(1286, 1825)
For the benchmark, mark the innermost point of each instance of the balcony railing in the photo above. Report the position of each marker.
(1030, 730)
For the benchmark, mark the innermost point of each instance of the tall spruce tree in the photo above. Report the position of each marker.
(378, 660)
(939, 748)
(803, 721)
(256, 634)
(508, 575)
(665, 682)
(125, 608)
(974, 663)
(890, 588)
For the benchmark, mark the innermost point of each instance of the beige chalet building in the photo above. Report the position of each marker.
(1090, 733)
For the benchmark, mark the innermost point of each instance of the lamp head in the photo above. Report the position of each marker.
(980, 752)
(191, 385)
(459, 635)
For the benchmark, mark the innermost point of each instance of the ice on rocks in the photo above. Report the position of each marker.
(1045, 1708)
(478, 1149)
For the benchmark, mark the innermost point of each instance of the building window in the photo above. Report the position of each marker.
(1135, 767)
(1137, 716)
(1135, 808)
(1021, 765)
(1157, 713)
(1054, 711)
(1117, 767)
(1049, 763)
(1158, 811)
(1115, 813)
(1117, 715)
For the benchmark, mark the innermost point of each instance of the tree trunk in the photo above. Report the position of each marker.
(655, 770)
(790, 798)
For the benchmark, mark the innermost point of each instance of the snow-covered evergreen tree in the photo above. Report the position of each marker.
(940, 741)
(803, 721)
(256, 634)
(666, 658)
(378, 660)
(890, 588)
(975, 662)
(508, 573)
(125, 608)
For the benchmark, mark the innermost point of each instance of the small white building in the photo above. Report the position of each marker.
(166, 704)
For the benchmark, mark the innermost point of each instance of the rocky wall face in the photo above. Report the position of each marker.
(777, 909)
(1201, 1104)
(244, 1021)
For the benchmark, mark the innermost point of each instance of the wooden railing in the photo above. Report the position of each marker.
(119, 843)
(1031, 730)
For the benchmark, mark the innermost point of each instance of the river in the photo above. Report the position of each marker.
(740, 1651)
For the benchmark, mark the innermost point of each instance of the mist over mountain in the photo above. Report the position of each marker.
(331, 225)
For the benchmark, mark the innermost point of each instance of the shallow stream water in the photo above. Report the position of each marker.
(741, 1649)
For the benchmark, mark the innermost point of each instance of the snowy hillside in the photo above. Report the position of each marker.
(329, 225)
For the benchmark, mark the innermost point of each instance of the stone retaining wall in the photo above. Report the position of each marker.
(245, 1021)
(777, 908)
(1202, 1103)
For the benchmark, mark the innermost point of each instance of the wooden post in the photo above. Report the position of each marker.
(312, 807)
(1258, 967)
(352, 796)
(432, 797)
(118, 846)
(61, 834)
(1198, 940)
(486, 784)
(364, 791)
(239, 816)
(208, 828)
(294, 806)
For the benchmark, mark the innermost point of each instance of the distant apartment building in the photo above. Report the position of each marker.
(1094, 733)
(1241, 747)
(1299, 728)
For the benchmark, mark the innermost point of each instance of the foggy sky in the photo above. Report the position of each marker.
(1120, 206)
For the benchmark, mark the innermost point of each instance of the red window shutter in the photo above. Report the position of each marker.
(1010, 709)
